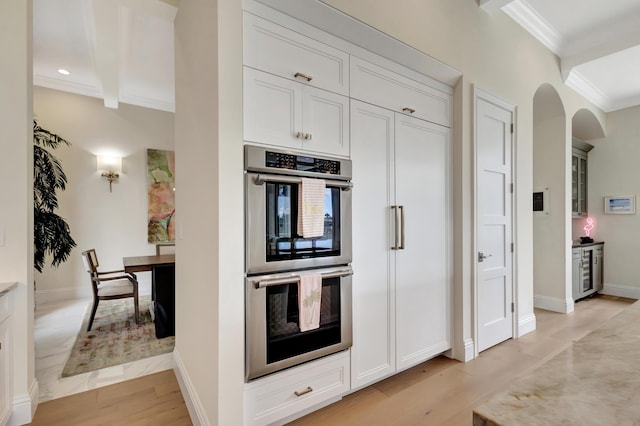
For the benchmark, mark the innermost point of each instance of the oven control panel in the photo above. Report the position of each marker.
(303, 163)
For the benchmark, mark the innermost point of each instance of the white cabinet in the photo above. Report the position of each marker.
(281, 395)
(378, 86)
(285, 113)
(5, 357)
(289, 54)
(578, 182)
(587, 270)
(402, 242)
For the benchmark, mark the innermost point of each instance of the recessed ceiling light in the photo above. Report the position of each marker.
(63, 71)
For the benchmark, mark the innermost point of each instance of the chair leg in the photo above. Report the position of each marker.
(136, 308)
(93, 312)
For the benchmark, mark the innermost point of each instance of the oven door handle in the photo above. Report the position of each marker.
(269, 282)
(261, 179)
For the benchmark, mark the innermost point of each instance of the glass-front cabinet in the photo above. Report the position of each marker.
(579, 183)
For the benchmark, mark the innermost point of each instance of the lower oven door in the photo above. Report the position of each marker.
(273, 337)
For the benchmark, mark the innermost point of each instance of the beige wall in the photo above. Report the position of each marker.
(16, 208)
(496, 55)
(613, 170)
(210, 248)
(115, 223)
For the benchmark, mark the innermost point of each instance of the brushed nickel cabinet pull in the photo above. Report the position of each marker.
(305, 76)
(408, 110)
(401, 247)
(307, 390)
(396, 228)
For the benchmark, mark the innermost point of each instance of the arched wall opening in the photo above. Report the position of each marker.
(551, 279)
(586, 133)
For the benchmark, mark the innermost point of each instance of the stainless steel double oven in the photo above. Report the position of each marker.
(277, 256)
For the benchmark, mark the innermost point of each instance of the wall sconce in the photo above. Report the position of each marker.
(111, 167)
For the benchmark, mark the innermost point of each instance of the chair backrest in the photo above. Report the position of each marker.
(165, 248)
(90, 261)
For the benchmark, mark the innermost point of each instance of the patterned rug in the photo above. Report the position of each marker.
(115, 338)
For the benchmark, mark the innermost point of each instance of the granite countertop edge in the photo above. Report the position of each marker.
(578, 245)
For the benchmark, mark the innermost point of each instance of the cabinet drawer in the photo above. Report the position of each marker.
(274, 398)
(378, 86)
(4, 306)
(280, 51)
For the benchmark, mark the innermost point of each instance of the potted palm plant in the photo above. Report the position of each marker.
(51, 233)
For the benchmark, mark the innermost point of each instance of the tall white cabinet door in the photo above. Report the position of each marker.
(325, 122)
(272, 109)
(373, 351)
(422, 270)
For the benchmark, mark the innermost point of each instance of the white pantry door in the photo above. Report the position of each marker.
(494, 258)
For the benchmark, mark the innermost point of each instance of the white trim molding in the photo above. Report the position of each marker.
(521, 12)
(526, 324)
(631, 292)
(24, 406)
(194, 406)
(554, 304)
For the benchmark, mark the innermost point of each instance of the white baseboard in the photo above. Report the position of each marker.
(194, 406)
(526, 324)
(24, 406)
(553, 304)
(469, 350)
(621, 291)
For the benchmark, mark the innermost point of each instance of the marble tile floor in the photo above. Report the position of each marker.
(56, 327)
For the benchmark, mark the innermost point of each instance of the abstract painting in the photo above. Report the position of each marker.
(162, 209)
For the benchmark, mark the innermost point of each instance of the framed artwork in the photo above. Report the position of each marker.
(620, 204)
(161, 192)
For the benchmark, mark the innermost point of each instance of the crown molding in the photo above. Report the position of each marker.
(521, 12)
(584, 87)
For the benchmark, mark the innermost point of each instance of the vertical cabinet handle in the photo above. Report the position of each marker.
(303, 392)
(401, 247)
(298, 135)
(305, 76)
(307, 136)
(395, 245)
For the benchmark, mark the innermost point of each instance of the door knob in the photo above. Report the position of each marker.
(482, 256)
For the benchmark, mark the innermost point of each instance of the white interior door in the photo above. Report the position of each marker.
(494, 261)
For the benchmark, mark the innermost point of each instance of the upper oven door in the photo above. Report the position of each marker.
(273, 243)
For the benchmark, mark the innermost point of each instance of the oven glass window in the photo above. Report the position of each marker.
(282, 239)
(284, 338)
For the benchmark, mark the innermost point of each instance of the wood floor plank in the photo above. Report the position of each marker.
(438, 392)
(444, 392)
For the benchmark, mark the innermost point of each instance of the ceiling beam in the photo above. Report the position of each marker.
(105, 49)
(583, 54)
(493, 5)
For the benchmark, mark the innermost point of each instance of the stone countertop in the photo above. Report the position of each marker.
(595, 381)
(4, 287)
(576, 244)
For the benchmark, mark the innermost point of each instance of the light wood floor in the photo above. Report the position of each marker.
(443, 391)
(438, 392)
(149, 400)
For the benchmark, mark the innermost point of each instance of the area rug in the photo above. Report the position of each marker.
(115, 338)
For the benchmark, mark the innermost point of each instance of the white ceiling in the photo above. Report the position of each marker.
(122, 50)
(597, 41)
(116, 50)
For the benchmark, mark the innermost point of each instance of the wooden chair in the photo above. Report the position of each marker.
(165, 248)
(109, 285)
